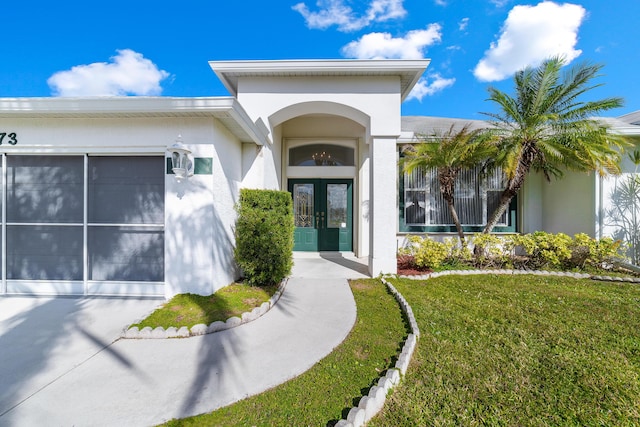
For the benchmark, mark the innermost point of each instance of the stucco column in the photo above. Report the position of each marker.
(382, 206)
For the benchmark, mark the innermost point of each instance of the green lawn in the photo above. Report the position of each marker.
(326, 392)
(191, 309)
(520, 351)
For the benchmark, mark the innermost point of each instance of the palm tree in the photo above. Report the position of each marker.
(448, 153)
(545, 127)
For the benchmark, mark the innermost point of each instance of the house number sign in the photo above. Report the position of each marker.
(8, 137)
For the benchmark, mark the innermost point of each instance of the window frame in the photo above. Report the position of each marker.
(426, 227)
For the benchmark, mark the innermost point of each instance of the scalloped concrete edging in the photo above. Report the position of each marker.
(616, 279)
(372, 403)
(201, 328)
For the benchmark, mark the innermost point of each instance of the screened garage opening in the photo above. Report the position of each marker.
(82, 225)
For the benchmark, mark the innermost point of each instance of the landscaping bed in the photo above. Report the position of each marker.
(191, 309)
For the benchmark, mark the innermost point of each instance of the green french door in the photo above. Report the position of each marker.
(323, 214)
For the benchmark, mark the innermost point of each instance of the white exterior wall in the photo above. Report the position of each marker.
(378, 98)
(569, 204)
(566, 205)
(363, 209)
(383, 218)
(199, 212)
(94, 136)
(252, 166)
(200, 215)
(531, 206)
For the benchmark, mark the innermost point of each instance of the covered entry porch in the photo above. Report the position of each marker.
(351, 105)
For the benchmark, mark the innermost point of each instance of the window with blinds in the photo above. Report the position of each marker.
(476, 196)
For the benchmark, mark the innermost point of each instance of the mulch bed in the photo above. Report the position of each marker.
(407, 267)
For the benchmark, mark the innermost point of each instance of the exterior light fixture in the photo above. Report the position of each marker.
(181, 159)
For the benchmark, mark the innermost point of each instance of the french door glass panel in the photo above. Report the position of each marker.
(336, 205)
(303, 205)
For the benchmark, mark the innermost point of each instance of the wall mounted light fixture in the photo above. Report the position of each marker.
(181, 159)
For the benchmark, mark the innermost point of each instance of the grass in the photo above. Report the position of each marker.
(520, 350)
(191, 309)
(326, 392)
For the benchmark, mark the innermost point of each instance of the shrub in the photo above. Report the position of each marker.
(264, 236)
(458, 255)
(591, 253)
(426, 252)
(546, 250)
(538, 250)
(492, 250)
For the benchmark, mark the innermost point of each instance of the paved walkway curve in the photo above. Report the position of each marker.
(146, 382)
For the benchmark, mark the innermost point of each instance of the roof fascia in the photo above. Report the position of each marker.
(111, 105)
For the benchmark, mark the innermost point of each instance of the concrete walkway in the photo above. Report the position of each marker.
(59, 364)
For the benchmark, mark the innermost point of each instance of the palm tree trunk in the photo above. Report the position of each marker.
(505, 199)
(513, 186)
(456, 220)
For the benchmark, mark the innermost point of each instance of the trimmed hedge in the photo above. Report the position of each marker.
(264, 236)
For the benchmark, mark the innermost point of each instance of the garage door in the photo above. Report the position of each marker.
(82, 225)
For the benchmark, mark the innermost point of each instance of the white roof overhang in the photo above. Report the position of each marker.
(225, 109)
(408, 70)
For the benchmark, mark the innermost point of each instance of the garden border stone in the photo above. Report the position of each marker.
(370, 404)
(516, 272)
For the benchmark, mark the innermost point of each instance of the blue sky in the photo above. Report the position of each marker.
(149, 48)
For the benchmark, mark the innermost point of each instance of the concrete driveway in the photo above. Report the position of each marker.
(43, 339)
(61, 362)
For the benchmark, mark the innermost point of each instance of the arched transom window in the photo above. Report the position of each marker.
(321, 155)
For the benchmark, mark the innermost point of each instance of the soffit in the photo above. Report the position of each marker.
(409, 71)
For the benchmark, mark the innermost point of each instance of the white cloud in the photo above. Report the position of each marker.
(529, 35)
(128, 73)
(440, 2)
(462, 25)
(430, 85)
(336, 12)
(384, 46)
(499, 3)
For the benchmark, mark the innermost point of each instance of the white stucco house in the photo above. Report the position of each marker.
(90, 204)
